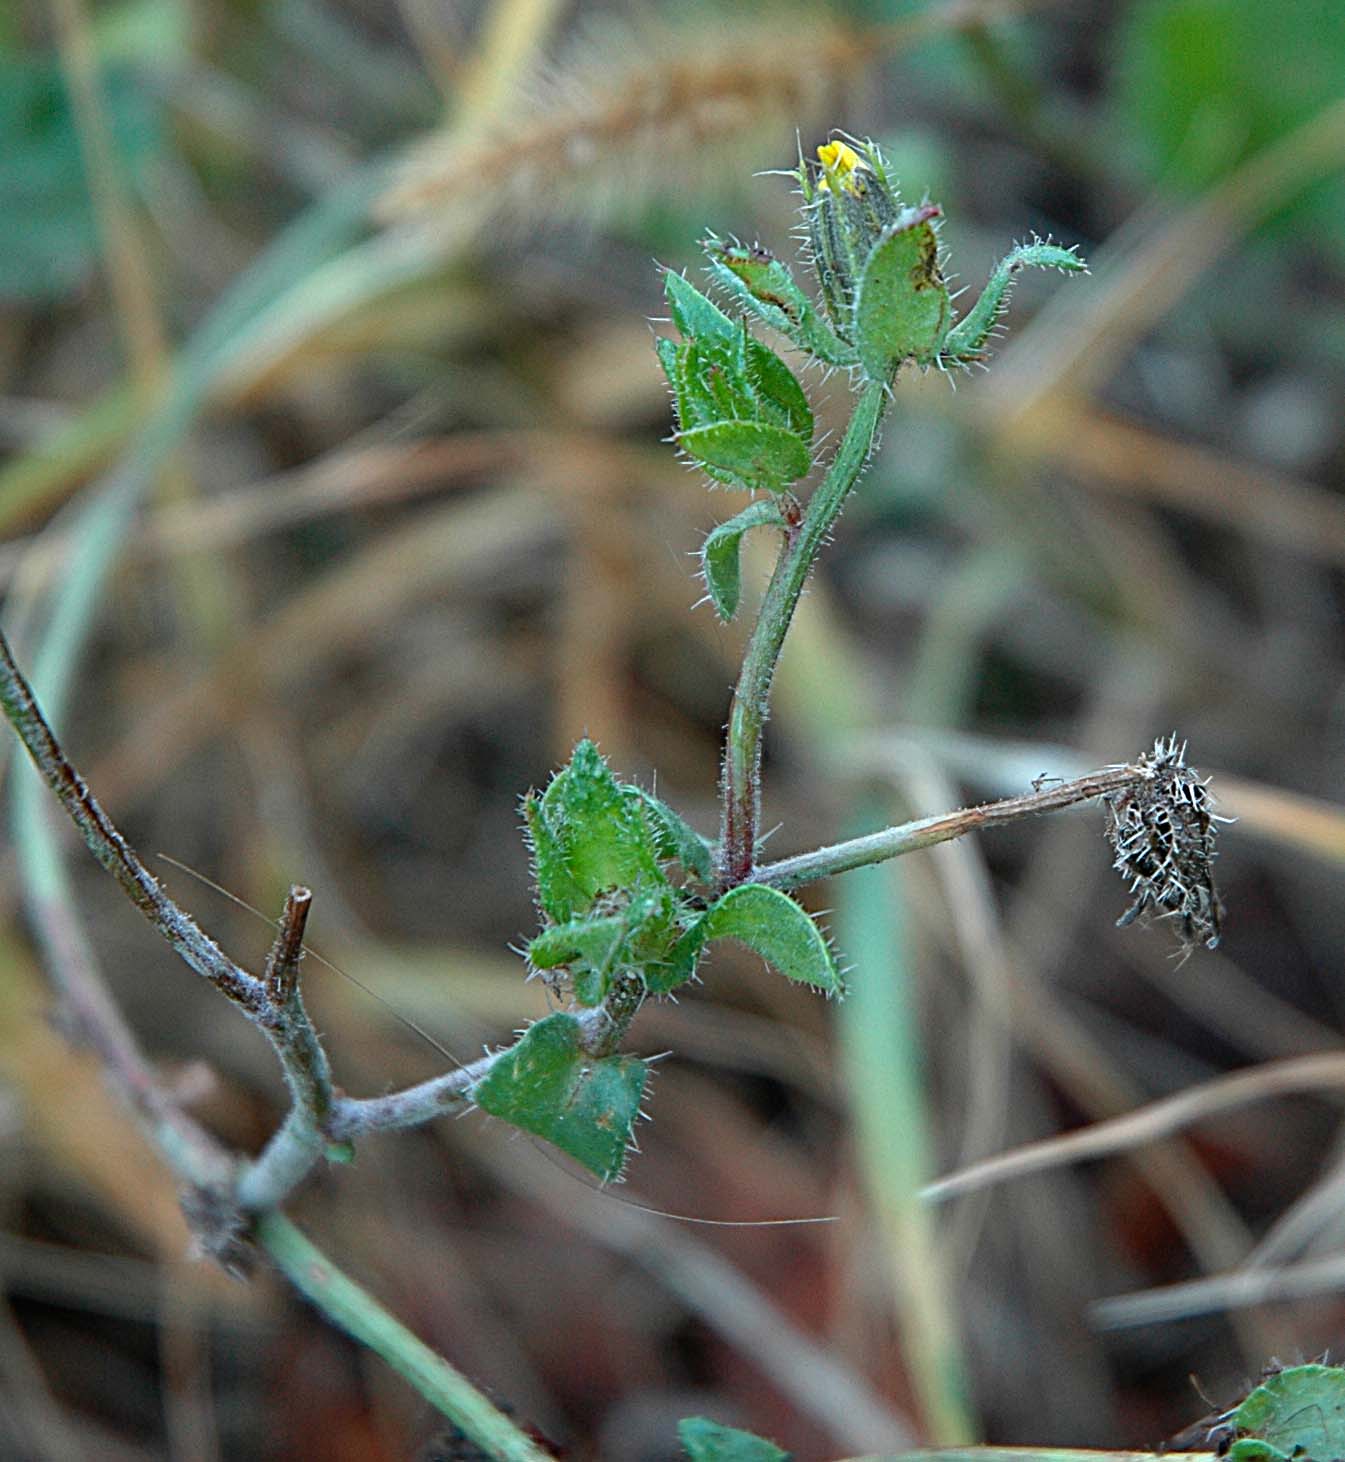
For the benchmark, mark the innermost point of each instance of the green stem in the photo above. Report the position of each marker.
(360, 1315)
(925, 832)
(741, 790)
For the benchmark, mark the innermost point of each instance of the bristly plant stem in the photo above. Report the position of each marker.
(106, 844)
(361, 1316)
(741, 788)
(925, 832)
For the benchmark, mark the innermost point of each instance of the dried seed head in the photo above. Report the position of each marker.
(1162, 830)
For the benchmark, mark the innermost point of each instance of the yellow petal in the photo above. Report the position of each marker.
(841, 161)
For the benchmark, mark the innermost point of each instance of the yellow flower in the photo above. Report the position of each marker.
(839, 161)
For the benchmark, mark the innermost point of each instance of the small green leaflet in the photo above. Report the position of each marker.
(548, 1085)
(901, 302)
(752, 454)
(673, 834)
(765, 920)
(968, 337)
(720, 553)
(588, 834)
(763, 284)
(708, 1441)
(595, 945)
(1298, 1412)
(741, 414)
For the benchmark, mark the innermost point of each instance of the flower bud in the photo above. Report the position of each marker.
(877, 262)
(847, 204)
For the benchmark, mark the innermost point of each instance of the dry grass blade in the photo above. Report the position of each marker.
(1239, 1290)
(1120, 456)
(1155, 262)
(1148, 1124)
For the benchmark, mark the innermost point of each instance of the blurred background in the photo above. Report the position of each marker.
(336, 506)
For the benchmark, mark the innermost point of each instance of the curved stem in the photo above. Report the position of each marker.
(741, 787)
(361, 1316)
(107, 845)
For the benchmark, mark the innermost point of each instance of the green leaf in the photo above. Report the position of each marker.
(696, 317)
(901, 303)
(1298, 1412)
(559, 892)
(51, 240)
(594, 949)
(708, 1441)
(765, 920)
(1203, 85)
(758, 282)
(750, 454)
(589, 835)
(967, 338)
(758, 424)
(778, 392)
(549, 1086)
(720, 553)
(673, 835)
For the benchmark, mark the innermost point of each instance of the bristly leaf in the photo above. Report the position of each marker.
(759, 282)
(559, 893)
(696, 317)
(589, 835)
(967, 339)
(674, 836)
(720, 553)
(901, 302)
(594, 949)
(765, 920)
(749, 453)
(591, 949)
(1297, 1412)
(780, 398)
(548, 1085)
(741, 414)
(709, 1441)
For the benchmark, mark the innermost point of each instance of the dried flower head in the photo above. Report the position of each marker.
(1162, 830)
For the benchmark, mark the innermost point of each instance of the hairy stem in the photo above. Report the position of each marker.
(112, 850)
(296, 1147)
(600, 1029)
(741, 789)
(925, 832)
(292, 1151)
(360, 1315)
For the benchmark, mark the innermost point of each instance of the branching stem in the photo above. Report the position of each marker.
(741, 787)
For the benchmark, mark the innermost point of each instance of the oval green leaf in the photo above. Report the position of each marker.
(673, 834)
(697, 317)
(901, 302)
(1298, 1412)
(752, 454)
(549, 1086)
(765, 920)
(777, 390)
